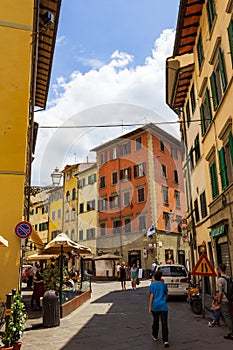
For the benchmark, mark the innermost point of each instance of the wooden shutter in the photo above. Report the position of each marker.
(231, 146)
(230, 36)
(222, 165)
(214, 90)
(222, 69)
(214, 180)
(203, 128)
(209, 112)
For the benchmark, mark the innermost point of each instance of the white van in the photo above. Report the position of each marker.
(176, 277)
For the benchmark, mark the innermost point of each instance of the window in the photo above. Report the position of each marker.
(36, 227)
(125, 148)
(193, 99)
(126, 196)
(127, 223)
(223, 168)
(141, 194)
(218, 80)
(228, 149)
(191, 158)
(32, 212)
(91, 205)
(68, 196)
(43, 226)
(177, 199)
(37, 210)
(90, 233)
(139, 170)
(73, 214)
(42, 210)
(80, 235)
(116, 224)
(102, 182)
(53, 215)
(68, 176)
(197, 149)
(113, 153)
(103, 157)
(164, 170)
(72, 235)
(125, 174)
(214, 179)
(114, 178)
(81, 183)
(176, 178)
(230, 36)
(138, 143)
(167, 223)
(102, 229)
(188, 113)
(200, 52)
(81, 207)
(102, 204)
(59, 213)
(91, 179)
(114, 201)
(174, 153)
(162, 148)
(142, 222)
(205, 112)
(196, 211)
(211, 13)
(74, 193)
(203, 205)
(165, 194)
(67, 215)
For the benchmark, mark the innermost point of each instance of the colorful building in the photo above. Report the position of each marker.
(199, 88)
(140, 184)
(28, 31)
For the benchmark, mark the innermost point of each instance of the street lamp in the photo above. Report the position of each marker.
(56, 177)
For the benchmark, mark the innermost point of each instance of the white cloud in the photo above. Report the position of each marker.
(114, 93)
(60, 40)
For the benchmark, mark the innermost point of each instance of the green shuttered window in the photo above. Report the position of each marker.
(230, 36)
(214, 180)
(222, 165)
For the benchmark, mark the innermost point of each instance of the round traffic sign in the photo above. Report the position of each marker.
(23, 229)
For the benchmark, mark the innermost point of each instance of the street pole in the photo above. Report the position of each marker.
(61, 279)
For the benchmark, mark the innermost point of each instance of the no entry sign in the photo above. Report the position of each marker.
(23, 229)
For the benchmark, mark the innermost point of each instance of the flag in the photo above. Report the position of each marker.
(150, 231)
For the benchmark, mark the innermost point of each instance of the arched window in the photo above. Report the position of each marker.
(68, 196)
(67, 215)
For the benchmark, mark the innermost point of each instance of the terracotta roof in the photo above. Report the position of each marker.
(187, 25)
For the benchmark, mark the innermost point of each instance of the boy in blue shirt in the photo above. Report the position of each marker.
(158, 307)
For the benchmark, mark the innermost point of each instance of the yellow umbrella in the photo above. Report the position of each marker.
(36, 257)
(63, 244)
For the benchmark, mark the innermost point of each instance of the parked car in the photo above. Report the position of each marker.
(176, 277)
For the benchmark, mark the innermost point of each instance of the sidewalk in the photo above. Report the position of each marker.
(119, 320)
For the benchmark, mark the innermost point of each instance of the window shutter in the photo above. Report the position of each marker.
(129, 173)
(231, 146)
(222, 165)
(209, 112)
(222, 69)
(214, 180)
(203, 128)
(214, 90)
(230, 36)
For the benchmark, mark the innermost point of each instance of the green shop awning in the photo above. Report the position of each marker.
(217, 231)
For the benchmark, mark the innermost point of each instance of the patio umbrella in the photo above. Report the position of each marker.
(36, 257)
(63, 244)
(3, 242)
(108, 257)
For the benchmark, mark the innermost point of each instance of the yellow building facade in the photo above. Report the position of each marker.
(55, 212)
(21, 25)
(199, 89)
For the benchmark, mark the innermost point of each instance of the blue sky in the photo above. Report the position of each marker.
(108, 67)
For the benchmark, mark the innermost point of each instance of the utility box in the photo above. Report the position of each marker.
(51, 309)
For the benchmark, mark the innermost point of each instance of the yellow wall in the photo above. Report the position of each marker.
(54, 205)
(15, 42)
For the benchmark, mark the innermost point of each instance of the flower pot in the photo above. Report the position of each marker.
(17, 346)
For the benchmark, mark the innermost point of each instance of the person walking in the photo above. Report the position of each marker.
(122, 276)
(158, 307)
(133, 275)
(38, 290)
(222, 299)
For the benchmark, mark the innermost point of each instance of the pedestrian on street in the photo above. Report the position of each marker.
(158, 307)
(122, 276)
(133, 275)
(38, 290)
(222, 299)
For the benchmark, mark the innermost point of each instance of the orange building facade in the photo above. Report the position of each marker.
(140, 186)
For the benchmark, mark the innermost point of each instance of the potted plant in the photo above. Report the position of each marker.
(16, 325)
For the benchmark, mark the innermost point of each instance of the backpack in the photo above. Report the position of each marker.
(229, 292)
